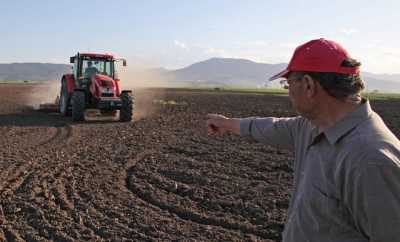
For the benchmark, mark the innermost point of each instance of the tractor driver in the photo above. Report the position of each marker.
(90, 71)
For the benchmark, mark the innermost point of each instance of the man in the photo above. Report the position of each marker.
(90, 71)
(347, 162)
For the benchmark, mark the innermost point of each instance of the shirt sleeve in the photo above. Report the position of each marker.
(277, 132)
(374, 198)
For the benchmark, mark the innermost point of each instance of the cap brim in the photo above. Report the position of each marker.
(283, 73)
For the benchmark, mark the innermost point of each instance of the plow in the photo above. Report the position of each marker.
(94, 84)
(50, 107)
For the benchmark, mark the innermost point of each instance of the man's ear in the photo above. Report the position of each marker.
(310, 86)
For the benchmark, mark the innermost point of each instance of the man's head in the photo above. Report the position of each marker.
(320, 55)
(89, 63)
(320, 70)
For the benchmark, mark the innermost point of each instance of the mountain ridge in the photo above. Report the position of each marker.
(213, 72)
(33, 71)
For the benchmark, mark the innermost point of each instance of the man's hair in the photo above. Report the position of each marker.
(337, 85)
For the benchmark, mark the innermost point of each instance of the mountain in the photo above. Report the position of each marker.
(219, 72)
(33, 71)
(226, 71)
(374, 84)
(214, 72)
(387, 77)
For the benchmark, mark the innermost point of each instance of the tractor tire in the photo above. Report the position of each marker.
(64, 100)
(78, 106)
(126, 111)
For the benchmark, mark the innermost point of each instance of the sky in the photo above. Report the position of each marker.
(175, 34)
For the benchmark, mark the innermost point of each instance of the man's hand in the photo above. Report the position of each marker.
(219, 125)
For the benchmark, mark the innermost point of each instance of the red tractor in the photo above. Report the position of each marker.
(94, 85)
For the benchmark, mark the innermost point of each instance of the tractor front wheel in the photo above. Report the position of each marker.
(125, 113)
(78, 106)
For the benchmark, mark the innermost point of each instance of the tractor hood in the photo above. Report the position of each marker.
(104, 80)
(104, 87)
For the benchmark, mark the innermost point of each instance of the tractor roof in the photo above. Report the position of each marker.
(96, 55)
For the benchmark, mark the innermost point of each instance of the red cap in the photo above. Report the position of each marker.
(319, 55)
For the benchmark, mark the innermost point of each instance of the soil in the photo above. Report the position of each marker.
(158, 178)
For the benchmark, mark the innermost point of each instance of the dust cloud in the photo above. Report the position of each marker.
(132, 77)
(146, 85)
(43, 93)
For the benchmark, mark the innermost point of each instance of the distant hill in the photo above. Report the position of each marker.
(246, 73)
(214, 72)
(226, 71)
(382, 82)
(33, 71)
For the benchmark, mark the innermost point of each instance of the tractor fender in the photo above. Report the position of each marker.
(124, 91)
(70, 81)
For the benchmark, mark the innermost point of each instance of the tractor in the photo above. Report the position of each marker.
(94, 84)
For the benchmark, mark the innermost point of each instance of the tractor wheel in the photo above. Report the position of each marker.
(125, 113)
(64, 100)
(78, 106)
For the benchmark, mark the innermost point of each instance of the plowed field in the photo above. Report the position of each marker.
(158, 178)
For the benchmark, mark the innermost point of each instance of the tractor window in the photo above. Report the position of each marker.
(102, 67)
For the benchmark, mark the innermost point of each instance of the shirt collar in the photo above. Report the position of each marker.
(348, 122)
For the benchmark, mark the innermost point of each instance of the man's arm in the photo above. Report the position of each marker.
(219, 125)
(278, 132)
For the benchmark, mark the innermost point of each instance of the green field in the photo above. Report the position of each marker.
(19, 82)
(381, 96)
(280, 91)
(274, 91)
(233, 90)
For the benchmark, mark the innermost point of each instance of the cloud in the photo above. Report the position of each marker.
(252, 44)
(215, 51)
(180, 44)
(348, 31)
(288, 45)
(379, 58)
(258, 51)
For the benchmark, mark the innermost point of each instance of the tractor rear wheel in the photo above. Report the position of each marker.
(64, 100)
(125, 113)
(78, 106)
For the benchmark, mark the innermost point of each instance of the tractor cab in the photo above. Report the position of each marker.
(88, 65)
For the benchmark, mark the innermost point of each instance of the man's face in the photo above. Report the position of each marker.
(296, 84)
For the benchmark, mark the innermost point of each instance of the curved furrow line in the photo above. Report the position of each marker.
(82, 207)
(36, 218)
(90, 217)
(11, 235)
(198, 218)
(63, 134)
(10, 172)
(58, 209)
(16, 180)
(60, 195)
(98, 222)
(146, 192)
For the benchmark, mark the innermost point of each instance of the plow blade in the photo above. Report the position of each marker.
(49, 107)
